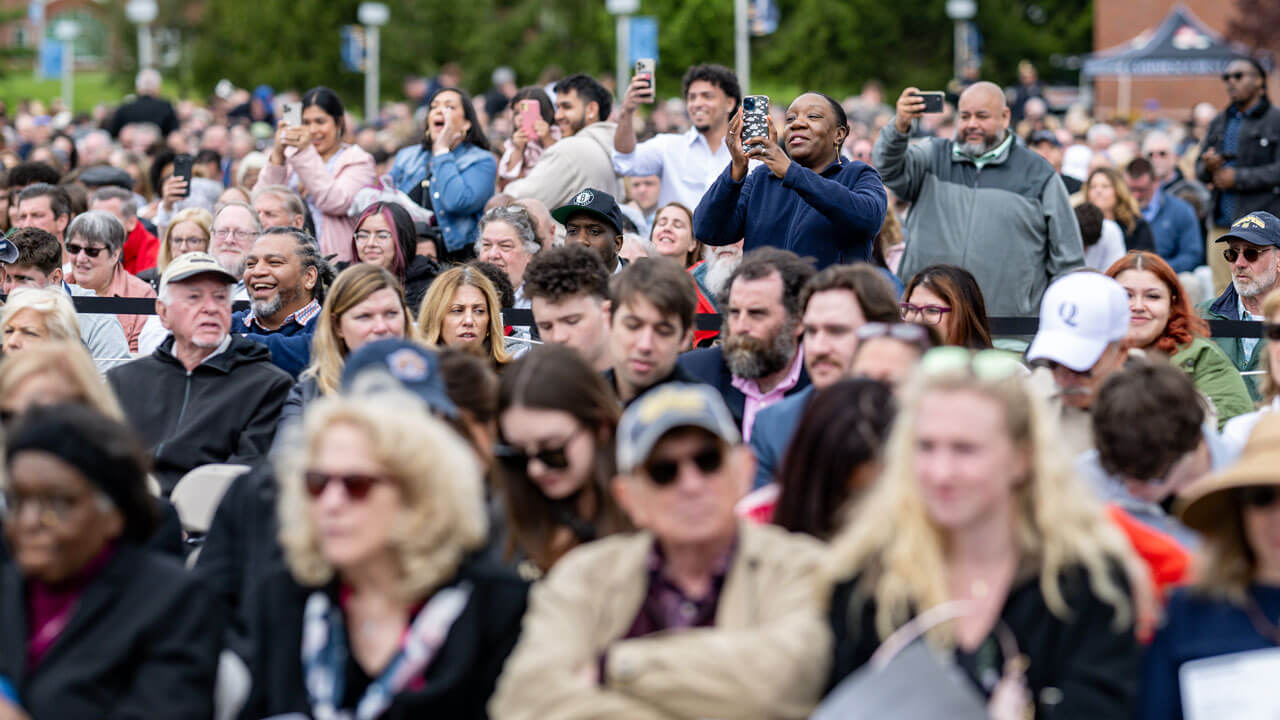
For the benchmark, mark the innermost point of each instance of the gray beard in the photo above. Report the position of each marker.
(982, 148)
(718, 272)
(268, 308)
(752, 359)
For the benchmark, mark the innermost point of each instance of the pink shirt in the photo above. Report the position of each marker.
(757, 401)
(127, 285)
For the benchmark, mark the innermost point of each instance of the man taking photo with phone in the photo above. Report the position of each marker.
(1014, 231)
(690, 161)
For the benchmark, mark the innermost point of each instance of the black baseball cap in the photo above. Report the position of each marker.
(1044, 136)
(596, 203)
(1257, 228)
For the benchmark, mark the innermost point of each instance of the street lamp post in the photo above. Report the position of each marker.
(142, 13)
(962, 11)
(372, 15)
(66, 31)
(742, 45)
(622, 10)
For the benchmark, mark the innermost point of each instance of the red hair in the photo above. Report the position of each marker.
(1184, 324)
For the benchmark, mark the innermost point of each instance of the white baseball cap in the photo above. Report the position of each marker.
(1080, 314)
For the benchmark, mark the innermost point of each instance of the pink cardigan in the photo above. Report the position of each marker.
(332, 194)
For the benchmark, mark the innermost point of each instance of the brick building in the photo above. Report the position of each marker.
(1116, 22)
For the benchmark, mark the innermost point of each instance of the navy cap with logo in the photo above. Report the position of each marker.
(1043, 136)
(412, 367)
(1257, 228)
(596, 203)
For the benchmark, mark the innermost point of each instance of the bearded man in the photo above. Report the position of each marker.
(981, 200)
(761, 360)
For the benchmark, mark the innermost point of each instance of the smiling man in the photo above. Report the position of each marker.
(286, 280)
(688, 162)
(981, 200)
(205, 395)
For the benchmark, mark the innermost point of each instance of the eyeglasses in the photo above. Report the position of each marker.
(516, 460)
(986, 365)
(52, 508)
(931, 314)
(906, 332)
(188, 241)
(1250, 254)
(355, 485)
(663, 473)
(1259, 497)
(74, 249)
(363, 236)
(240, 235)
(1236, 76)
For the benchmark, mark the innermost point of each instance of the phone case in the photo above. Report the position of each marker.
(755, 122)
(529, 116)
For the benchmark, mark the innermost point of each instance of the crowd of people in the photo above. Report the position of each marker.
(542, 405)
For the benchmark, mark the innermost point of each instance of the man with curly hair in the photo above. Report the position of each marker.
(569, 290)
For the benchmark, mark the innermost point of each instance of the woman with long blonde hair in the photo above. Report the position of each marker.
(461, 310)
(978, 515)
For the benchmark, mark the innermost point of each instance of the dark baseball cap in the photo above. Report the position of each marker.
(413, 368)
(1043, 136)
(1257, 228)
(596, 203)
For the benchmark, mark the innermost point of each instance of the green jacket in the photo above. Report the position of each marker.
(1215, 377)
(1226, 307)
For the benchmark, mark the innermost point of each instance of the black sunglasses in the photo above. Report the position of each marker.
(516, 460)
(73, 249)
(664, 472)
(355, 485)
(1250, 254)
(1259, 497)
(1237, 76)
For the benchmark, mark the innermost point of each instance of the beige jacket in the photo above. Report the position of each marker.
(584, 160)
(767, 657)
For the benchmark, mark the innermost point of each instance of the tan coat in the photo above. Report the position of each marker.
(767, 657)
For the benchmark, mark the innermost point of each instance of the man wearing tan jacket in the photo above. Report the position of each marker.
(698, 615)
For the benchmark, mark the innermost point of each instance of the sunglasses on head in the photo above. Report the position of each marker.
(909, 333)
(1250, 254)
(1259, 497)
(355, 485)
(985, 365)
(74, 249)
(664, 472)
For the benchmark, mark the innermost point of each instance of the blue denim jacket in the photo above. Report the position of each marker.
(462, 181)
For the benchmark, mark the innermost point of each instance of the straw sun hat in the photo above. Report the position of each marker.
(1207, 503)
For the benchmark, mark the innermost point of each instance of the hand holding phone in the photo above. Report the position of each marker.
(182, 164)
(933, 101)
(529, 114)
(292, 115)
(645, 69)
(755, 119)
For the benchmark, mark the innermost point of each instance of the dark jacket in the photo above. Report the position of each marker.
(1140, 237)
(832, 216)
(418, 277)
(224, 411)
(772, 433)
(1226, 307)
(142, 642)
(459, 680)
(1093, 666)
(678, 374)
(1257, 162)
(1177, 233)
(1180, 185)
(708, 366)
(290, 344)
(146, 109)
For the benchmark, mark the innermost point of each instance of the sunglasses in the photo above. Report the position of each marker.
(355, 485)
(1236, 76)
(909, 333)
(1250, 254)
(986, 365)
(516, 460)
(1259, 497)
(93, 252)
(663, 473)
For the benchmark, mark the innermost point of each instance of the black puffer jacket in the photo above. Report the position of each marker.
(419, 276)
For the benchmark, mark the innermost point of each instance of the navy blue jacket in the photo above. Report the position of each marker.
(290, 345)
(708, 366)
(833, 217)
(772, 433)
(1177, 232)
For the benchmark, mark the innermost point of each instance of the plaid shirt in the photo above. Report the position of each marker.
(665, 605)
(299, 317)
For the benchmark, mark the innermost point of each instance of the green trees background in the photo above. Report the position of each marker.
(832, 45)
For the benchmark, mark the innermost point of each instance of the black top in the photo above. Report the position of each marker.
(146, 109)
(1084, 668)
(1140, 237)
(678, 374)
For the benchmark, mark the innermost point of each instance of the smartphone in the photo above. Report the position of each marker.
(292, 115)
(755, 118)
(182, 168)
(933, 101)
(529, 114)
(644, 69)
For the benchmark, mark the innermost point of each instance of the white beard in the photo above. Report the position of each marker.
(718, 272)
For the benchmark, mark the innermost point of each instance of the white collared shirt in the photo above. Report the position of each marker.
(1247, 344)
(685, 162)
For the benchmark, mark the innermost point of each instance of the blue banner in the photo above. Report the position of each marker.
(352, 48)
(51, 58)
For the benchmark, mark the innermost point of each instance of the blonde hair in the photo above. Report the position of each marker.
(435, 305)
(199, 216)
(53, 305)
(1267, 386)
(441, 516)
(900, 552)
(1127, 211)
(352, 287)
(69, 360)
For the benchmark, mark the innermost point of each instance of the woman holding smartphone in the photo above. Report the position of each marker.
(313, 160)
(534, 119)
(452, 173)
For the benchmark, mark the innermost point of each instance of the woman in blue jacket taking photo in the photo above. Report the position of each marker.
(452, 173)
